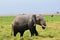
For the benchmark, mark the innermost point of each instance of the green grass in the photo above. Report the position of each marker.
(52, 19)
(52, 31)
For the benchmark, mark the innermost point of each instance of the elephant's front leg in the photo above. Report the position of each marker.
(35, 31)
(32, 32)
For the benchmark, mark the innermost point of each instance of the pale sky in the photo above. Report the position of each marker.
(13, 7)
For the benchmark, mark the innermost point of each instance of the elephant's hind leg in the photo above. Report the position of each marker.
(21, 33)
(15, 30)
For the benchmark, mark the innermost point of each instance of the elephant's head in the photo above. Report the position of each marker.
(40, 21)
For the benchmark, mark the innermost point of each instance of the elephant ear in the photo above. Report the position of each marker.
(34, 19)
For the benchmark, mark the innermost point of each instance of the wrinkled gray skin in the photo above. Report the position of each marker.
(24, 22)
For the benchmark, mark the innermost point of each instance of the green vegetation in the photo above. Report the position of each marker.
(52, 31)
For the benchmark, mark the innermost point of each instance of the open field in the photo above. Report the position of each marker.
(52, 31)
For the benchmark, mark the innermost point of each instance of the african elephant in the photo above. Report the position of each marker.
(27, 22)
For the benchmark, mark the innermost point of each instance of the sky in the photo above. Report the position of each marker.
(13, 7)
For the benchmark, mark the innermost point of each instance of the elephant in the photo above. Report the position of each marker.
(21, 23)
